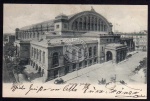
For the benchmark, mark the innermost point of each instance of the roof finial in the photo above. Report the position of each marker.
(92, 9)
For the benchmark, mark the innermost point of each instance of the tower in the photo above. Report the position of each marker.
(61, 23)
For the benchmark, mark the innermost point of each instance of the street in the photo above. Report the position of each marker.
(106, 70)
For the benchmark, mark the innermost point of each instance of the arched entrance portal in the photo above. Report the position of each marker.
(109, 55)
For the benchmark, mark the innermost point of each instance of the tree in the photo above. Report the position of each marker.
(9, 49)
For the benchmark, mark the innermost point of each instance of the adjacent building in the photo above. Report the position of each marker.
(139, 39)
(8, 38)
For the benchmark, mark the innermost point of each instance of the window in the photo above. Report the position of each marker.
(95, 51)
(37, 35)
(76, 25)
(73, 54)
(79, 54)
(74, 66)
(101, 26)
(110, 40)
(32, 51)
(102, 49)
(90, 62)
(95, 60)
(85, 53)
(55, 59)
(80, 25)
(90, 52)
(57, 26)
(37, 54)
(34, 35)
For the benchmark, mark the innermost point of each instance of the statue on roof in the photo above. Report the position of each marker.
(92, 9)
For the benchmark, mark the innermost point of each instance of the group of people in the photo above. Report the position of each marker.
(103, 81)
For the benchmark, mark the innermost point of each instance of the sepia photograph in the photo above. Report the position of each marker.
(75, 51)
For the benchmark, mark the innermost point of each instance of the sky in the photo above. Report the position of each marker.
(125, 18)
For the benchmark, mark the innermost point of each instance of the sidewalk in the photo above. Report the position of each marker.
(81, 72)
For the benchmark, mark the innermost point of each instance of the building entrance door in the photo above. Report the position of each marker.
(74, 66)
(109, 56)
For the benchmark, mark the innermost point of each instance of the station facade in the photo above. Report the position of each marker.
(43, 44)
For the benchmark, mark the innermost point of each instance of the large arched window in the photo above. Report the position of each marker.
(80, 24)
(40, 55)
(102, 26)
(94, 50)
(32, 51)
(73, 54)
(84, 24)
(55, 59)
(89, 23)
(92, 23)
(105, 28)
(99, 25)
(79, 54)
(90, 52)
(76, 25)
(37, 53)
